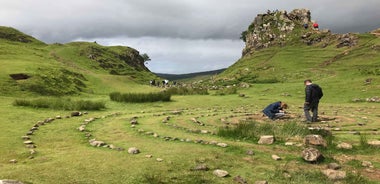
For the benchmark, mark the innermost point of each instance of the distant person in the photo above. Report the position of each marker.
(275, 110)
(153, 82)
(305, 26)
(315, 26)
(313, 93)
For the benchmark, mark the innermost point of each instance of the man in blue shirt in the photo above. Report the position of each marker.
(275, 110)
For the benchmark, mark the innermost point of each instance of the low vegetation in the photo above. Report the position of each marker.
(140, 97)
(252, 131)
(187, 91)
(61, 104)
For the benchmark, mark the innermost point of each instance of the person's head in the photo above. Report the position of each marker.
(307, 82)
(284, 105)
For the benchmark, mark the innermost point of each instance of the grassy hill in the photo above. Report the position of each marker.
(66, 69)
(186, 139)
(341, 70)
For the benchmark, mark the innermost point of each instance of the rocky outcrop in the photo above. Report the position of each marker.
(273, 28)
(278, 28)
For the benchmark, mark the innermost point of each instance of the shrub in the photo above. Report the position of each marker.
(251, 130)
(60, 104)
(187, 91)
(226, 91)
(140, 97)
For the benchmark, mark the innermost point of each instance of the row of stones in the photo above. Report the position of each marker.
(134, 123)
(93, 142)
(27, 137)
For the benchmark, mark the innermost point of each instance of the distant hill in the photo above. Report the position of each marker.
(195, 75)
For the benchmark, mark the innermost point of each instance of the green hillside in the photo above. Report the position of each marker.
(66, 69)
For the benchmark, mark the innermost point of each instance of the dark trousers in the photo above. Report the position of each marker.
(313, 107)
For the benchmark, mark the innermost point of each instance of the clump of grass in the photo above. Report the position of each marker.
(247, 131)
(153, 178)
(187, 91)
(285, 174)
(251, 130)
(364, 142)
(61, 104)
(140, 97)
(226, 91)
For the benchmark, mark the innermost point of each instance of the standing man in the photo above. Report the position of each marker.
(313, 93)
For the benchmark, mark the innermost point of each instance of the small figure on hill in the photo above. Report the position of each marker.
(275, 110)
(313, 93)
(316, 26)
(305, 25)
(152, 82)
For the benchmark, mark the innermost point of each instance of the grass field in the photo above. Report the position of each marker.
(65, 156)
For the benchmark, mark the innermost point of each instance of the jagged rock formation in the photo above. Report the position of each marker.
(278, 28)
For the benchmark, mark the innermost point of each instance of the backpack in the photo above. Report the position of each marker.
(317, 91)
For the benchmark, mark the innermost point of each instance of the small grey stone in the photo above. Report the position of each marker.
(28, 142)
(159, 159)
(10, 182)
(261, 182)
(220, 173)
(250, 152)
(201, 167)
(333, 166)
(266, 139)
(133, 150)
(344, 145)
(276, 157)
(222, 144)
(334, 174)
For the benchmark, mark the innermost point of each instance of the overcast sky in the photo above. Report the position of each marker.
(180, 36)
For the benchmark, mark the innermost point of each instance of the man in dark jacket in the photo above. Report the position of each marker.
(313, 93)
(275, 110)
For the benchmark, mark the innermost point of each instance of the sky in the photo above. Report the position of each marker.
(179, 36)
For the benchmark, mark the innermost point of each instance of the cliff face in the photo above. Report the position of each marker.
(277, 28)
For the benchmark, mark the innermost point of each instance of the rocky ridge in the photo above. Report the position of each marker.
(278, 28)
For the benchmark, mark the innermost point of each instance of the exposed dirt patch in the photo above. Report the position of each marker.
(19, 76)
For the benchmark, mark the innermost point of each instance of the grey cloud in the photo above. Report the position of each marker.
(178, 56)
(63, 21)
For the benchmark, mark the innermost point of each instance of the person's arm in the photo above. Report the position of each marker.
(308, 94)
(276, 108)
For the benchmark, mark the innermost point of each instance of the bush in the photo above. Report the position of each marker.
(187, 91)
(140, 97)
(226, 91)
(60, 104)
(253, 130)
